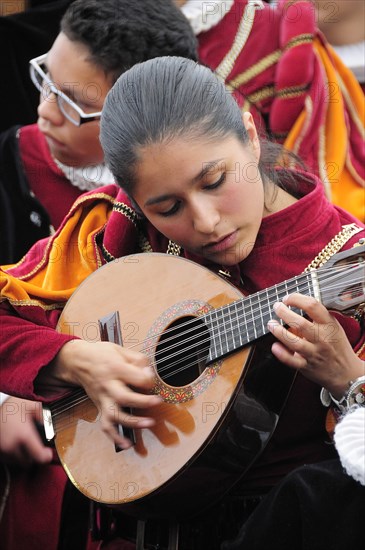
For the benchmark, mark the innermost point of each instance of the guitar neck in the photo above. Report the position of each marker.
(239, 323)
(244, 321)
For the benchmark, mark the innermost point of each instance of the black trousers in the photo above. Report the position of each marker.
(316, 507)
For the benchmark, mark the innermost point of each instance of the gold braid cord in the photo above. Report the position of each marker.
(173, 249)
(334, 246)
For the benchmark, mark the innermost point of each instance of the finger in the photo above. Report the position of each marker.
(35, 448)
(112, 432)
(124, 396)
(294, 360)
(312, 307)
(143, 376)
(291, 340)
(115, 416)
(298, 325)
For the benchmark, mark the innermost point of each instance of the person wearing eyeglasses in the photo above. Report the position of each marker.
(45, 167)
(196, 182)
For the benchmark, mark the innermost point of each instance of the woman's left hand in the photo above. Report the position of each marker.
(316, 345)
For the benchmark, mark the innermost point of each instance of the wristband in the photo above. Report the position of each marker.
(355, 395)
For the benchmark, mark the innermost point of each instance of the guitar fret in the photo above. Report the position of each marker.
(261, 317)
(246, 323)
(277, 300)
(239, 325)
(232, 327)
(235, 329)
(286, 288)
(219, 332)
(214, 329)
(253, 317)
(299, 291)
(269, 307)
(224, 344)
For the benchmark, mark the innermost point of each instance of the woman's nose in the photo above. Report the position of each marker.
(206, 217)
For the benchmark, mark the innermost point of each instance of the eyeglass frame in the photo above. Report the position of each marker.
(84, 117)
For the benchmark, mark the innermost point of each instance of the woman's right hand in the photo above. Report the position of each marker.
(111, 375)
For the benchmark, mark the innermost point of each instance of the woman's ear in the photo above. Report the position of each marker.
(252, 134)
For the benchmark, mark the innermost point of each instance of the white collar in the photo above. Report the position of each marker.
(87, 178)
(202, 16)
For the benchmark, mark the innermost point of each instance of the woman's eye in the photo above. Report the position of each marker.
(172, 210)
(217, 183)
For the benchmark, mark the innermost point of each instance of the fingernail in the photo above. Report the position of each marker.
(276, 305)
(146, 423)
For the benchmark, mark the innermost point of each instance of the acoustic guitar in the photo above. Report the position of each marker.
(221, 395)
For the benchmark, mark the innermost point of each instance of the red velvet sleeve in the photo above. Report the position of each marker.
(25, 348)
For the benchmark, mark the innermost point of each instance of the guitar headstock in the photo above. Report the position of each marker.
(342, 279)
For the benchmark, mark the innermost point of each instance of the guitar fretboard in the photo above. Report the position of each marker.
(239, 323)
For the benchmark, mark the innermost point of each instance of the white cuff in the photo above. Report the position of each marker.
(349, 439)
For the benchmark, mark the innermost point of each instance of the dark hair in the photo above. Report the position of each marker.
(169, 97)
(121, 33)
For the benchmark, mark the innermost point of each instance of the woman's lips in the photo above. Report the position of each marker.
(222, 244)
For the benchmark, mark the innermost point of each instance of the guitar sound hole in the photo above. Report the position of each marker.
(182, 351)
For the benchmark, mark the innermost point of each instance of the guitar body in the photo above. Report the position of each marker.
(214, 419)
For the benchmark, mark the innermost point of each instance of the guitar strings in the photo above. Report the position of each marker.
(193, 346)
(269, 294)
(263, 311)
(219, 325)
(83, 396)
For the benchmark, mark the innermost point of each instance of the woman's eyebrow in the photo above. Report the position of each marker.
(207, 167)
(155, 200)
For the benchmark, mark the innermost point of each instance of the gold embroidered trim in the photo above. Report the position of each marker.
(127, 211)
(334, 246)
(263, 93)
(304, 38)
(243, 32)
(109, 257)
(254, 70)
(173, 249)
(267, 61)
(144, 244)
(96, 246)
(78, 201)
(50, 307)
(86, 198)
(39, 265)
(293, 91)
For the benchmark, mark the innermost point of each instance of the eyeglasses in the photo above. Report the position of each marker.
(73, 113)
